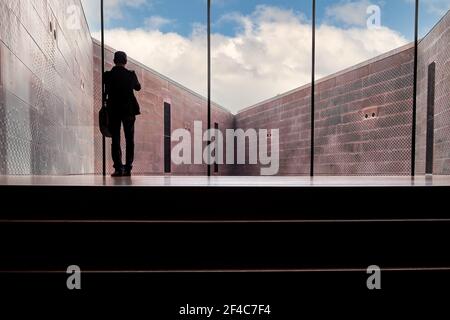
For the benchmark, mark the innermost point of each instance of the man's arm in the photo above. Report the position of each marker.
(137, 86)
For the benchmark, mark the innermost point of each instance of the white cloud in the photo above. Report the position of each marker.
(156, 22)
(338, 49)
(269, 55)
(349, 12)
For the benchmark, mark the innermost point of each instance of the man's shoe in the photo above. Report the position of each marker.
(126, 173)
(117, 174)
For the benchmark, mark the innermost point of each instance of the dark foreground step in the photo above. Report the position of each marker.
(222, 203)
(177, 246)
(335, 295)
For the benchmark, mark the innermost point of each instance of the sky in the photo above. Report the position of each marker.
(259, 48)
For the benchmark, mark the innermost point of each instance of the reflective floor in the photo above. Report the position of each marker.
(227, 181)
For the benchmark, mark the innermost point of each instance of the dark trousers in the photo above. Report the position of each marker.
(116, 149)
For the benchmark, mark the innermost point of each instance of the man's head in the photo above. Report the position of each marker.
(120, 58)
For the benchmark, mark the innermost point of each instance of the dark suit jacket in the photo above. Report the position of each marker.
(120, 84)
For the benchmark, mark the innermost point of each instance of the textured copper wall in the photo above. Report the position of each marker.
(435, 47)
(291, 114)
(186, 105)
(46, 91)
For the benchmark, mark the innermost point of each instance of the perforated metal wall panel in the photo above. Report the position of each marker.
(47, 89)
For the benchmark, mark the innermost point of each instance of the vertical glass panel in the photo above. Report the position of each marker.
(364, 87)
(433, 89)
(261, 68)
(166, 44)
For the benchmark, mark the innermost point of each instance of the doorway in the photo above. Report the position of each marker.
(430, 118)
(167, 138)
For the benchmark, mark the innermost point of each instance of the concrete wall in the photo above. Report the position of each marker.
(346, 142)
(435, 47)
(46, 89)
(186, 106)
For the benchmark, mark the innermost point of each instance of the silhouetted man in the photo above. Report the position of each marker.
(123, 108)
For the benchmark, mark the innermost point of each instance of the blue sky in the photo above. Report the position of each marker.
(396, 14)
(259, 48)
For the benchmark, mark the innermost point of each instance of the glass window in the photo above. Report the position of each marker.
(261, 61)
(364, 87)
(166, 42)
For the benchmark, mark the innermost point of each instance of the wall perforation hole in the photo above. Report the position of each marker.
(370, 113)
(51, 26)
